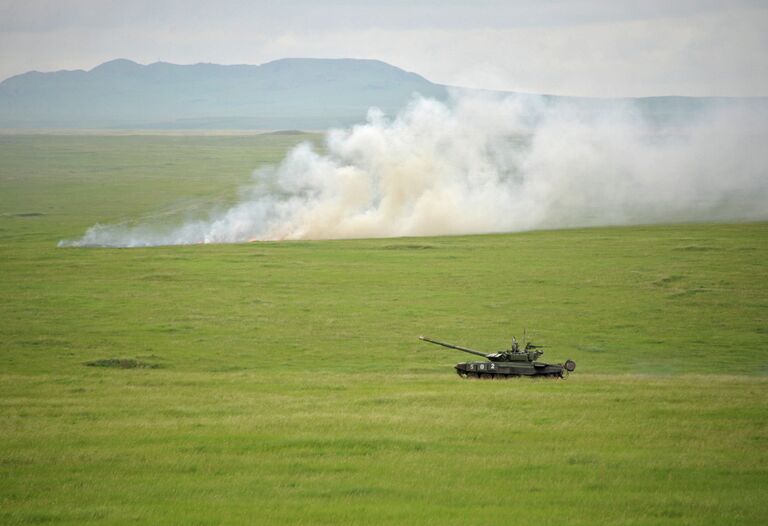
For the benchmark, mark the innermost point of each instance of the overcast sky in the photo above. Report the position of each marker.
(575, 47)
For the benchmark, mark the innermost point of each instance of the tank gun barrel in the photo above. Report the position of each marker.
(450, 346)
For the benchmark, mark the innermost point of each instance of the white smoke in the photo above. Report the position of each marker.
(484, 164)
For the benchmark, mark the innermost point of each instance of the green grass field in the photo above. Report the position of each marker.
(289, 385)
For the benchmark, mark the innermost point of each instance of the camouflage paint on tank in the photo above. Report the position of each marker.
(508, 363)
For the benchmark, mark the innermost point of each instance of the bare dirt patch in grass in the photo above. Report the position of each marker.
(122, 363)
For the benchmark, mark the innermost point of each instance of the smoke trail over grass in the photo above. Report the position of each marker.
(484, 164)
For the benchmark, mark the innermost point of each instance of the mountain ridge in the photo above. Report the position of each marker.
(284, 93)
(291, 92)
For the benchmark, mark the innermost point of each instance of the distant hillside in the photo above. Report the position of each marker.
(288, 93)
(284, 94)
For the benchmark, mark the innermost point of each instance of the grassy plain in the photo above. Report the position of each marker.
(291, 387)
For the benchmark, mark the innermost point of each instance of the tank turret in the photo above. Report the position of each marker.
(507, 363)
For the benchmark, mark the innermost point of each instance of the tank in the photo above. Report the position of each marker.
(510, 363)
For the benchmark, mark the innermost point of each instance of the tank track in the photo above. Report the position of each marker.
(496, 376)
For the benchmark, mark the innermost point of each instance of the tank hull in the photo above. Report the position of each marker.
(491, 370)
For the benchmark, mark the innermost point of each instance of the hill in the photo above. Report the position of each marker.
(287, 93)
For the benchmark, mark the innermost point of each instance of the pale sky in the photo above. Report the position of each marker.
(578, 47)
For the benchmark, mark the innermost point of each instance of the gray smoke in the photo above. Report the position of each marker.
(485, 164)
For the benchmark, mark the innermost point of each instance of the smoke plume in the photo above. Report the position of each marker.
(484, 164)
